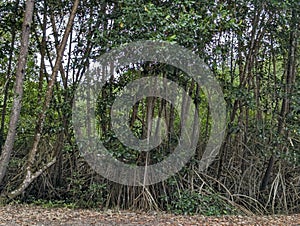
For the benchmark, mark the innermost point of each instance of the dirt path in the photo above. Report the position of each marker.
(29, 215)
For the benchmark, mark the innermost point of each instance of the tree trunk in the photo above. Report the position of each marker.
(289, 74)
(15, 112)
(8, 77)
(30, 176)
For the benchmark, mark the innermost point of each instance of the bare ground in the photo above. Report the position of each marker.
(35, 215)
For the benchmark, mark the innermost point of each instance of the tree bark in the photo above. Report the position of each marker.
(8, 77)
(30, 176)
(18, 95)
(48, 96)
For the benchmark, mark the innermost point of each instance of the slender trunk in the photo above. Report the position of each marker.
(43, 46)
(30, 176)
(289, 78)
(8, 77)
(20, 73)
(48, 96)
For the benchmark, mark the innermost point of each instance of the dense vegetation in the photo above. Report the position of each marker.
(252, 48)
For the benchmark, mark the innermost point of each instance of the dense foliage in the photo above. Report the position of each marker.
(252, 48)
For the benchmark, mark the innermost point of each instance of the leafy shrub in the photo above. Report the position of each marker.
(192, 202)
(85, 193)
